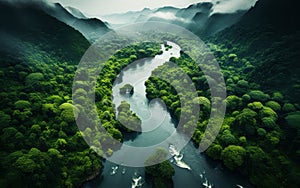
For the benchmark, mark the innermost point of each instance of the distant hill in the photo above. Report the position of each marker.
(199, 18)
(91, 28)
(37, 29)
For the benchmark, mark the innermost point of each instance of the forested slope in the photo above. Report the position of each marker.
(269, 36)
(40, 144)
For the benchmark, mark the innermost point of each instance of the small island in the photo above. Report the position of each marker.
(127, 89)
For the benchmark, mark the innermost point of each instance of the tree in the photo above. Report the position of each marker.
(228, 139)
(22, 105)
(288, 107)
(233, 103)
(128, 119)
(233, 156)
(259, 95)
(274, 105)
(268, 112)
(277, 96)
(255, 106)
(4, 119)
(33, 79)
(268, 123)
(205, 105)
(25, 165)
(69, 112)
(261, 132)
(214, 151)
(246, 121)
(162, 171)
(127, 88)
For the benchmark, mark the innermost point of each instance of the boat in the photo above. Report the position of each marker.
(114, 170)
(239, 186)
(136, 182)
(178, 157)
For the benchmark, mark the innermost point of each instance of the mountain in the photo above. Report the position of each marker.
(198, 18)
(269, 33)
(36, 28)
(191, 11)
(217, 22)
(91, 28)
(129, 17)
(75, 12)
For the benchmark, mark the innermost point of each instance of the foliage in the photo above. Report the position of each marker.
(253, 133)
(128, 119)
(41, 145)
(162, 172)
(259, 95)
(233, 156)
(127, 88)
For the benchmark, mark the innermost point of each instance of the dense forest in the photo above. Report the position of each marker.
(41, 145)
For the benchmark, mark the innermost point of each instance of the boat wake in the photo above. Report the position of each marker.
(178, 157)
(206, 184)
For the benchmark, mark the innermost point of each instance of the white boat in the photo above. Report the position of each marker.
(182, 164)
(178, 157)
(114, 170)
(239, 186)
(136, 182)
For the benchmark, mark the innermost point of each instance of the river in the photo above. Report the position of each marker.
(158, 124)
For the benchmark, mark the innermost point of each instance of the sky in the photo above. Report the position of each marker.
(102, 7)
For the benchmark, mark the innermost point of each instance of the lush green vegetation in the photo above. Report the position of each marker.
(259, 135)
(128, 119)
(41, 146)
(40, 142)
(127, 88)
(161, 173)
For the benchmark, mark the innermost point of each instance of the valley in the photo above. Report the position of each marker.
(62, 125)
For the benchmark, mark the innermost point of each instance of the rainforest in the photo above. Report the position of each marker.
(53, 135)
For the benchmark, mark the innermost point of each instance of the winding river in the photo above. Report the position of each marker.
(202, 169)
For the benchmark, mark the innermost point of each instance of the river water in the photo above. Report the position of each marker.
(157, 125)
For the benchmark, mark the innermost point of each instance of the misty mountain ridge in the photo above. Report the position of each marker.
(199, 18)
(91, 28)
(37, 32)
(75, 12)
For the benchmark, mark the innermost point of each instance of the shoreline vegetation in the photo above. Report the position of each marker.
(127, 89)
(255, 124)
(40, 144)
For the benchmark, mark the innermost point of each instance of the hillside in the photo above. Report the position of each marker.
(91, 28)
(40, 30)
(38, 58)
(269, 35)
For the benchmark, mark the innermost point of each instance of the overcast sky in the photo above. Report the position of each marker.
(101, 7)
